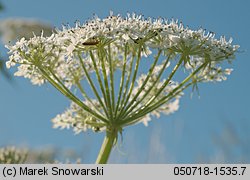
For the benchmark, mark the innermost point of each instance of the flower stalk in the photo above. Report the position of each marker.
(107, 146)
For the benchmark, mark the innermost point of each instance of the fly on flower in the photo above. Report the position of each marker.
(137, 40)
(91, 42)
(151, 34)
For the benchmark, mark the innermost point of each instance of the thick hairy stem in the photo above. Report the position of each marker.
(107, 146)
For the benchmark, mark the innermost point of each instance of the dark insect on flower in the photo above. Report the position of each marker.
(152, 34)
(137, 40)
(96, 129)
(91, 42)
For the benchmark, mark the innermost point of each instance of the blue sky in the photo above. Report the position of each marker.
(184, 137)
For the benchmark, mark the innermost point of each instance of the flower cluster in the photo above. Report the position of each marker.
(111, 55)
(11, 155)
(78, 119)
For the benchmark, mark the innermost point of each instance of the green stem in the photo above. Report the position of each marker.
(102, 55)
(150, 88)
(111, 68)
(140, 113)
(106, 148)
(166, 82)
(136, 118)
(99, 79)
(122, 80)
(84, 94)
(132, 81)
(91, 83)
(68, 94)
(119, 107)
(128, 108)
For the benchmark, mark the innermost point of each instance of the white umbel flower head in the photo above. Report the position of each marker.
(129, 64)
